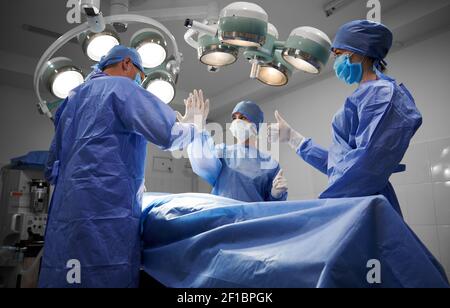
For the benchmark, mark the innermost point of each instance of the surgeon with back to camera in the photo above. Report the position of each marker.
(240, 171)
(96, 163)
(372, 131)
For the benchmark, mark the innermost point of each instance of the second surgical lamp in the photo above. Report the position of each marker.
(244, 26)
(60, 75)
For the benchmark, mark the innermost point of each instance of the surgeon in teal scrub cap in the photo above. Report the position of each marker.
(97, 163)
(239, 171)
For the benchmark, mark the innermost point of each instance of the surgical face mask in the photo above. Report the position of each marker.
(346, 71)
(138, 79)
(242, 130)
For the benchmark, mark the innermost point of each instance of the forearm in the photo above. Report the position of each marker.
(181, 136)
(314, 155)
(203, 158)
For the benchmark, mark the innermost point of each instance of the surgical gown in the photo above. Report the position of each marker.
(96, 162)
(238, 172)
(371, 134)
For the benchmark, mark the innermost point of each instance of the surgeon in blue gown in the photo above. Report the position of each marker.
(96, 163)
(239, 171)
(372, 131)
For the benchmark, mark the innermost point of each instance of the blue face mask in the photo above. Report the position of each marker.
(138, 79)
(346, 71)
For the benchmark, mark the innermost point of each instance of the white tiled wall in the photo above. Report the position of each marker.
(424, 195)
(423, 192)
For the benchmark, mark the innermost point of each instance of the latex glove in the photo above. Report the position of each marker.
(283, 132)
(197, 110)
(279, 185)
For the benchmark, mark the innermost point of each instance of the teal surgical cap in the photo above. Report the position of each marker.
(118, 54)
(251, 111)
(366, 38)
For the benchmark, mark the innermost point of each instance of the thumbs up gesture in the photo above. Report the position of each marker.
(279, 185)
(283, 132)
(279, 131)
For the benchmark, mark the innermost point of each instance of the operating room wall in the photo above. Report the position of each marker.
(22, 128)
(424, 190)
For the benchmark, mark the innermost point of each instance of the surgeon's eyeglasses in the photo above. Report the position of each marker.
(239, 117)
(338, 53)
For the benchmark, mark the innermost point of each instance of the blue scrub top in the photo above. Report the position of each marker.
(96, 163)
(235, 171)
(371, 134)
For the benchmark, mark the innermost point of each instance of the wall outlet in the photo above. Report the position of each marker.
(163, 164)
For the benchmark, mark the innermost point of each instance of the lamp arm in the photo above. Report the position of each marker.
(189, 38)
(279, 44)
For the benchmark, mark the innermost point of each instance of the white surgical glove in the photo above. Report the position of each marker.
(197, 110)
(283, 132)
(279, 185)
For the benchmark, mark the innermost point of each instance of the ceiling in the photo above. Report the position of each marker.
(21, 49)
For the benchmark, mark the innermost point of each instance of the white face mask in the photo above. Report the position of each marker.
(242, 130)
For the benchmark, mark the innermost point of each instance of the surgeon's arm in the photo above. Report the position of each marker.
(203, 158)
(382, 139)
(142, 112)
(314, 154)
(53, 157)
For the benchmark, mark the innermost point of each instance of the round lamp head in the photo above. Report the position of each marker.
(162, 85)
(275, 73)
(151, 46)
(307, 49)
(213, 53)
(61, 76)
(243, 24)
(96, 45)
(272, 31)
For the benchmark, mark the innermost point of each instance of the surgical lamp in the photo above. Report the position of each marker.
(96, 45)
(307, 49)
(161, 81)
(60, 76)
(258, 55)
(244, 25)
(151, 46)
(275, 73)
(211, 51)
(241, 24)
(214, 53)
(162, 85)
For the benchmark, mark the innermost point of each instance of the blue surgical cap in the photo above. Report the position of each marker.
(251, 111)
(366, 38)
(119, 53)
